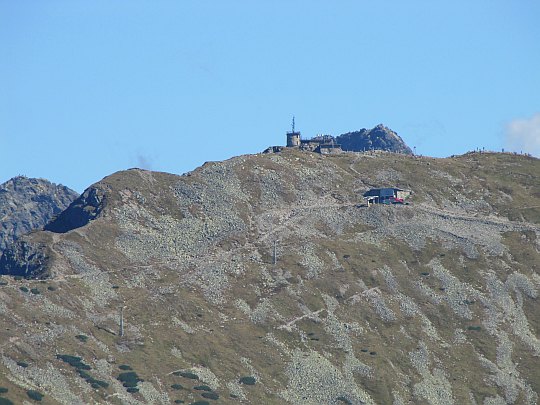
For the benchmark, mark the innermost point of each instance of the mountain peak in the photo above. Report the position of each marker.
(378, 138)
(27, 204)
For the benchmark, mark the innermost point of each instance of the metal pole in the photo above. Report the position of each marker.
(122, 321)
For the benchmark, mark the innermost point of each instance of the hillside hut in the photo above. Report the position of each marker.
(386, 196)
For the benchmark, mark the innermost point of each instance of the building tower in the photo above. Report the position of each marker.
(293, 137)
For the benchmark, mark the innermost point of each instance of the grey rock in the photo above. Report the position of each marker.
(27, 204)
(379, 138)
(26, 259)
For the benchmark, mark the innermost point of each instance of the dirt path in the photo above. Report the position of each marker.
(463, 216)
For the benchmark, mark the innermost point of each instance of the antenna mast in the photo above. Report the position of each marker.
(293, 124)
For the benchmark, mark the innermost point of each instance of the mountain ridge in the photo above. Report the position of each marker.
(266, 278)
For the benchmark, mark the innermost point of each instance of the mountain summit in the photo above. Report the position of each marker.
(378, 138)
(27, 204)
(265, 279)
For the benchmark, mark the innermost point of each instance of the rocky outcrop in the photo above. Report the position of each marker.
(84, 209)
(29, 260)
(27, 204)
(378, 138)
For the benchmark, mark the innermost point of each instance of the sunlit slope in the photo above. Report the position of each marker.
(435, 302)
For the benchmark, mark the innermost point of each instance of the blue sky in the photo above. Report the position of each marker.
(91, 87)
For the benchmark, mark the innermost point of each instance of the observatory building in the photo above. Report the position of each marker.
(293, 137)
(324, 144)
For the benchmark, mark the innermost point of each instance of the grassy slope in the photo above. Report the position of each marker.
(392, 303)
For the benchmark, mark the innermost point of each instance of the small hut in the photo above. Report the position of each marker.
(386, 196)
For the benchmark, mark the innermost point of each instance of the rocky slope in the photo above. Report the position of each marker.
(27, 204)
(378, 138)
(435, 302)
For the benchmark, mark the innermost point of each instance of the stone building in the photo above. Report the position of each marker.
(293, 139)
(324, 144)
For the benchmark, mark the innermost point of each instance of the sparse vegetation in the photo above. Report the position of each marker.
(248, 380)
(82, 368)
(23, 289)
(35, 395)
(82, 338)
(129, 379)
(3, 390)
(202, 388)
(210, 395)
(124, 367)
(5, 401)
(73, 361)
(94, 383)
(22, 364)
(177, 386)
(35, 291)
(51, 288)
(187, 374)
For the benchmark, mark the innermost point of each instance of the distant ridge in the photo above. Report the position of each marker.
(27, 204)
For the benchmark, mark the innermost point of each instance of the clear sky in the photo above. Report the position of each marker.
(91, 87)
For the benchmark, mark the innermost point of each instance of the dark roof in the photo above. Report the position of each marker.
(381, 192)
